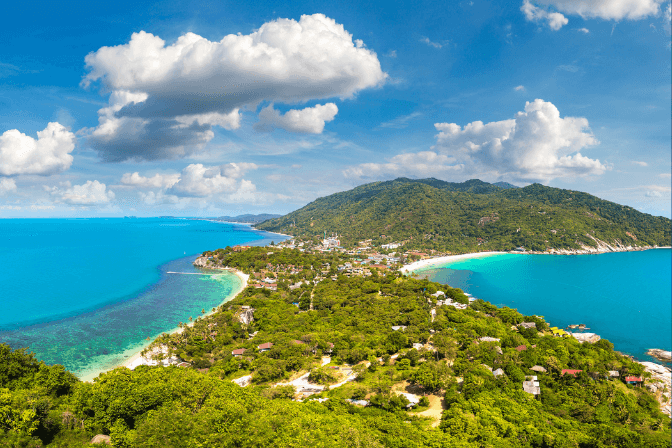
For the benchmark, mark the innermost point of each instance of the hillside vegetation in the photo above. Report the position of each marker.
(472, 216)
(392, 333)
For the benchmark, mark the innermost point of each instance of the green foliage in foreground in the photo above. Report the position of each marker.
(185, 407)
(472, 216)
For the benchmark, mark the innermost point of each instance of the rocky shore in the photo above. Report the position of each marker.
(600, 248)
(660, 355)
(660, 384)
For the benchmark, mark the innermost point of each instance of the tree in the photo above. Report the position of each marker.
(446, 346)
(396, 341)
(431, 376)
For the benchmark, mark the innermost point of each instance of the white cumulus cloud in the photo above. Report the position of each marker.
(520, 88)
(536, 145)
(89, 193)
(606, 9)
(170, 96)
(420, 164)
(197, 180)
(48, 154)
(7, 185)
(555, 20)
(542, 10)
(119, 138)
(156, 181)
(310, 120)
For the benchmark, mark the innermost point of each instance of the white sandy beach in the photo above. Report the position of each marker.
(441, 260)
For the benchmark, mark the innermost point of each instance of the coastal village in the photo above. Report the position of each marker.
(366, 261)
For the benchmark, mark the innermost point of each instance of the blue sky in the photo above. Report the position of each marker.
(217, 108)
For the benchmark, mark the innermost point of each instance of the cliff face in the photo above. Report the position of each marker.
(201, 262)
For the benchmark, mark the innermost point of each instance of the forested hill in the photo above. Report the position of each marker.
(473, 215)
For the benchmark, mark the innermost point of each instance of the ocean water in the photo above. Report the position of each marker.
(87, 293)
(624, 297)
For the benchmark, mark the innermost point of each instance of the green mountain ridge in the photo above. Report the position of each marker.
(472, 216)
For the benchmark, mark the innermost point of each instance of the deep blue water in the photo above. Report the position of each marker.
(87, 292)
(624, 297)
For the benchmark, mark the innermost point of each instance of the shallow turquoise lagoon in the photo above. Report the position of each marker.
(87, 292)
(624, 297)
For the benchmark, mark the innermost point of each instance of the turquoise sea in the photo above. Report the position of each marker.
(87, 293)
(624, 297)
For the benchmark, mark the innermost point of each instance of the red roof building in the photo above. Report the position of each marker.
(265, 346)
(238, 352)
(570, 372)
(633, 379)
(520, 348)
(379, 266)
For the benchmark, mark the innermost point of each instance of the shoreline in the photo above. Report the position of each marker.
(592, 250)
(133, 358)
(431, 262)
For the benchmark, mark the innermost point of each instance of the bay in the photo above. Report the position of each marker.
(624, 297)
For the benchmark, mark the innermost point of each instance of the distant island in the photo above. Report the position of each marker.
(474, 216)
(248, 219)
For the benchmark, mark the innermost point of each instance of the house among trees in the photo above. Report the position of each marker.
(528, 325)
(538, 369)
(266, 346)
(238, 352)
(634, 380)
(572, 372)
(531, 385)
